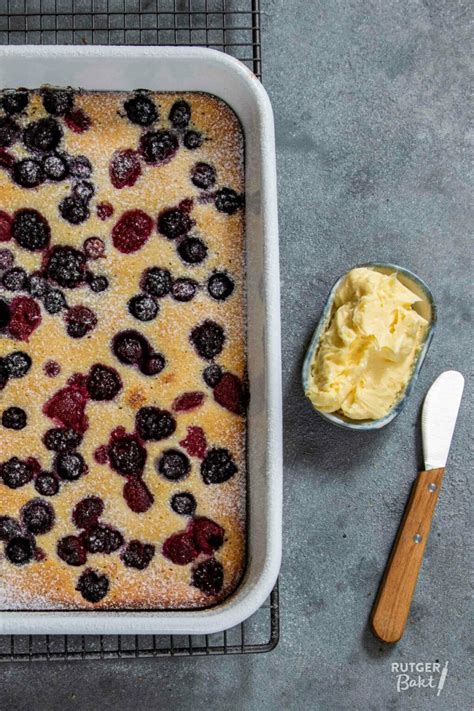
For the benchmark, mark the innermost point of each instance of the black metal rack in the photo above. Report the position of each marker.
(232, 26)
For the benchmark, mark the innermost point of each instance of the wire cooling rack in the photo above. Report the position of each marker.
(232, 26)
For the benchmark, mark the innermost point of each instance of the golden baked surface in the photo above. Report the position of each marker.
(122, 358)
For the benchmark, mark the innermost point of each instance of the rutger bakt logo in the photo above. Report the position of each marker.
(420, 675)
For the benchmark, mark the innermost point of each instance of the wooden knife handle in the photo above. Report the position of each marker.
(392, 606)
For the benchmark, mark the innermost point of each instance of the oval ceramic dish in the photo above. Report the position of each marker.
(426, 308)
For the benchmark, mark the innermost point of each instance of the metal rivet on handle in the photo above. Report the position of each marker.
(417, 538)
(432, 486)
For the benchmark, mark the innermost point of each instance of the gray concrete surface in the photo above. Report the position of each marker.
(372, 128)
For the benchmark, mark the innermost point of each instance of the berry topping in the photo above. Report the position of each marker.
(124, 169)
(192, 140)
(227, 201)
(46, 484)
(156, 281)
(37, 516)
(192, 250)
(184, 289)
(154, 424)
(92, 586)
(208, 339)
(51, 368)
(80, 167)
(62, 439)
(141, 110)
(137, 495)
(14, 418)
(19, 550)
(158, 147)
(180, 114)
(69, 465)
(3, 373)
(57, 101)
(143, 307)
(28, 173)
(183, 503)
(37, 285)
(203, 175)
(97, 283)
(174, 222)
(65, 266)
(180, 548)
(94, 247)
(104, 210)
(43, 135)
(30, 230)
(78, 121)
(138, 555)
(5, 229)
(212, 375)
(208, 535)
(15, 279)
(55, 167)
(9, 131)
(54, 301)
(173, 465)
(217, 466)
(5, 315)
(195, 442)
(187, 401)
(83, 191)
(101, 454)
(25, 317)
(80, 320)
(74, 210)
(153, 364)
(7, 259)
(127, 456)
(6, 159)
(14, 102)
(102, 539)
(18, 364)
(103, 383)
(208, 576)
(9, 527)
(130, 347)
(71, 550)
(87, 512)
(66, 407)
(220, 286)
(229, 393)
(132, 231)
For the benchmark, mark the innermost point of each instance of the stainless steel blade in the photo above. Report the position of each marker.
(438, 417)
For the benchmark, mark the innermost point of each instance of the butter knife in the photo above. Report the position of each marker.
(438, 418)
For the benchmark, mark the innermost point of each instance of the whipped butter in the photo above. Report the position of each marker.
(368, 351)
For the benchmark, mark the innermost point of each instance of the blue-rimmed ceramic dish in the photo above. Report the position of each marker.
(426, 308)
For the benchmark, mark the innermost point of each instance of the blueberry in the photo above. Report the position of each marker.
(71, 550)
(192, 140)
(74, 210)
(184, 289)
(173, 465)
(212, 375)
(156, 281)
(87, 512)
(55, 167)
(16, 473)
(153, 364)
(129, 347)
(103, 383)
(80, 167)
(208, 576)
(83, 191)
(9, 527)
(174, 222)
(203, 175)
(37, 285)
(141, 110)
(7, 259)
(143, 307)
(80, 320)
(180, 114)
(46, 484)
(28, 173)
(138, 555)
(19, 550)
(102, 539)
(61, 439)
(208, 339)
(37, 516)
(183, 504)
(217, 466)
(127, 456)
(69, 465)
(30, 230)
(220, 286)
(94, 247)
(54, 301)
(14, 418)
(43, 135)
(18, 364)
(14, 102)
(92, 586)
(3, 374)
(154, 424)
(9, 131)
(158, 146)
(227, 201)
(65, 266)
(97, 283)
(5, 315)
(57, 101)
(15, 279)
(192, 250)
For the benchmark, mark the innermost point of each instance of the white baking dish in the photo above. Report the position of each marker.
(195, 69)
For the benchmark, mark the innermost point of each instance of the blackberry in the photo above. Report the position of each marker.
(208, 576)
(55, 167)
(158, 146)
(14, 418)
(61, 439)
(14, 102)
(156, 281)
(212, 375)
(37, 516)
(141, 110)
(103, 383)
(217, 466)
(80, 167)
(183, 504)
(174, 222)
(71, 550)
(9, 527)
(15, 279)
(30, 230)
(57, 101)
(46, 484)
(192, 250)
(92, 586)
(19, 550)
(43, 135)
(154, 424)
(102, 539)
(9, 131)
(208, 339)
(138, 555)
(127, 456)
(74, 210)
(87, 512)
(180, 114)
(184, 289)
(18, 364)
(203, 175)
(227, 201)
(65, 266)
(220, 286)
(69, 465)
(192, 140)
(28, 173)
(16, 473)
(143, 307)
(173, 465)
(54, 301)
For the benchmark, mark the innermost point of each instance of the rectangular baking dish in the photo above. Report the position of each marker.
(195, 69)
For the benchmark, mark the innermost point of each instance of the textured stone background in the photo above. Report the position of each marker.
(372, 132)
